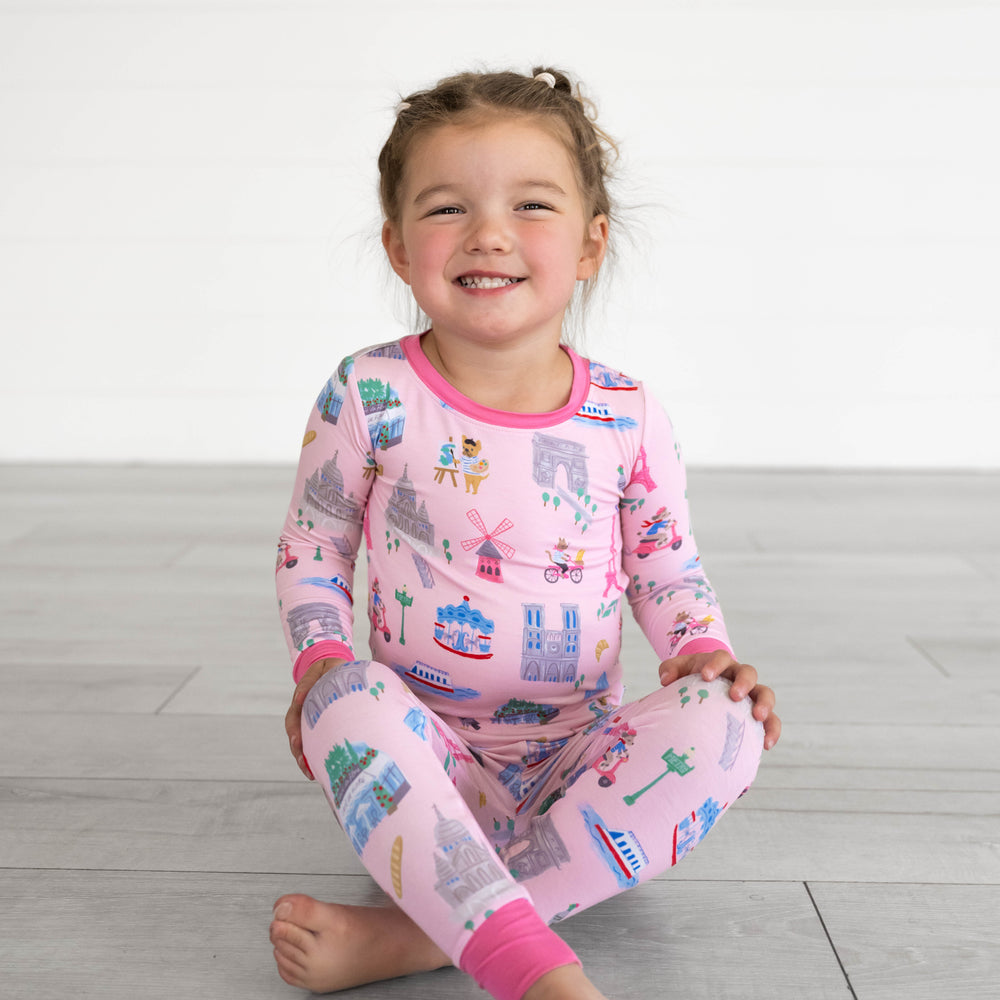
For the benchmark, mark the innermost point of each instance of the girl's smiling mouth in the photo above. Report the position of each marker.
(487, 281)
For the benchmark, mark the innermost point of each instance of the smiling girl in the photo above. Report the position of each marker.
(478, 761)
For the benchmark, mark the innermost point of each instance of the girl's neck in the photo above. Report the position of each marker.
(526, 378)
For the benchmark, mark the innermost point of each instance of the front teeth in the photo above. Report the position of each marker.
(477, 282)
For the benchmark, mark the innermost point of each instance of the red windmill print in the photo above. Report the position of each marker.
(490, 550)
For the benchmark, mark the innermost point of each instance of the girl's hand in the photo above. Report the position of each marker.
(293, 717)
(719, 663)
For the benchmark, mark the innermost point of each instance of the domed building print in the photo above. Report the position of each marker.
(406, 516)
(468, 874)
(323, 492)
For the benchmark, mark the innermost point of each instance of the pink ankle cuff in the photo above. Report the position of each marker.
(512, 950)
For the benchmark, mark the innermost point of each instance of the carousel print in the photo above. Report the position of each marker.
(464, 630)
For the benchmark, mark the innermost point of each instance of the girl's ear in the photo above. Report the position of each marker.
(595, 244)
(395, 251)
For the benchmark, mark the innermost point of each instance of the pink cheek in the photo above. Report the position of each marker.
(441, 242)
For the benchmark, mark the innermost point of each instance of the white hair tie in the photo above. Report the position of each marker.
(546, 78)
(401, 107)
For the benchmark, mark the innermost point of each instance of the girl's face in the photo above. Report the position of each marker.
(493, 234)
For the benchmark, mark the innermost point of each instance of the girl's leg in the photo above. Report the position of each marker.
(635, 795)
(383, 761)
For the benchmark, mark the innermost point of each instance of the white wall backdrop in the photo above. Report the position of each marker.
(188, 223)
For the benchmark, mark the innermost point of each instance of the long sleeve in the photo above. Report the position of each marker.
(669, 593)
(323, 527)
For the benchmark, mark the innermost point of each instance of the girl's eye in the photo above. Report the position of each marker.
(446, 210)
(534, 206)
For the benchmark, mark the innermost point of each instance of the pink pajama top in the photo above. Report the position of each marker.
(501, 546)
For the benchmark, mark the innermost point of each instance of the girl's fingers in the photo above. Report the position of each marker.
(763, 711)
(743, 678)
(293, 718)
(295, 745)
(718, 664)
(671, 670)
(293, 729)
(772, 731)
(679, 666)
(763, 701)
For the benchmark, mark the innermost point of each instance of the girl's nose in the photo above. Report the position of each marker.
(489, 233)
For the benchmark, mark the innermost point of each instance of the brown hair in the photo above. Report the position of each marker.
(469, 97)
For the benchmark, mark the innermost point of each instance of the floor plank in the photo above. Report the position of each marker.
(88, 688)
(965, 658)
(188, 747)
(922, 942)
(843, 511)
(192, 826)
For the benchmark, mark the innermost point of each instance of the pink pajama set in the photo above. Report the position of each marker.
(483, 762)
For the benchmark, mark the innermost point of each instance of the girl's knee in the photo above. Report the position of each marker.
(704, 714)
(695, 691)
(362, 692)
(366, 678)
(707, 696)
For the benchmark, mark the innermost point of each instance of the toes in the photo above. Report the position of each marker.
(288, 971)
(291, 938)
(291, 954)
(303, 911)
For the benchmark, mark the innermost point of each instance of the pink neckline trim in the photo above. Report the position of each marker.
(446, 392)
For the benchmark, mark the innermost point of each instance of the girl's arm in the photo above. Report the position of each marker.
(322, 532)
(669, 593)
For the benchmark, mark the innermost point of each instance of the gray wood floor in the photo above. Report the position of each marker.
(150, 813)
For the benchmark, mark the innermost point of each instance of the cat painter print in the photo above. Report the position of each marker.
(463, 457)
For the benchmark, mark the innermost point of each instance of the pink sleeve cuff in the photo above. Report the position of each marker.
(706, 645)
(327, 649)
(512, 950)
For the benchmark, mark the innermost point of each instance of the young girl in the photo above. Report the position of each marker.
(511, 496)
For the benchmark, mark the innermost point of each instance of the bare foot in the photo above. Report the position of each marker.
(568, 982)
(325, 947)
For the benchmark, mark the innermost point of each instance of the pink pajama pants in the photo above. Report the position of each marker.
(484, 849)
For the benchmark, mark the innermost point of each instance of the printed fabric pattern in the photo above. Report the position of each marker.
(499, 555)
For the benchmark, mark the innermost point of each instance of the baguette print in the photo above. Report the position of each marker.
(396, 867)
